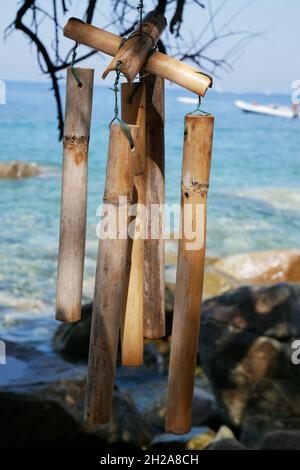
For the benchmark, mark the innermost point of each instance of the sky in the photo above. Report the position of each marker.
(269, 63)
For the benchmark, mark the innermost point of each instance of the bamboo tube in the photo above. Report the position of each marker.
(109, 282)
(190, 272)
(154, 278)
(132, 55)
(74, 196)
(159, 64)
(132, 338)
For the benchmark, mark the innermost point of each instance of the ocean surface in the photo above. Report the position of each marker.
(254, 196)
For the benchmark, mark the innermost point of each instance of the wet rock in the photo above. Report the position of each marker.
(281, 440)
(41, 406)
(16, 169)
(245, 349)
(262, 267)
(226, 444)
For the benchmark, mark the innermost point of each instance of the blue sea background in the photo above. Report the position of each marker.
(254, 197)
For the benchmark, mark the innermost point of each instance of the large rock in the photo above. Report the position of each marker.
(225, 444)
(262, 267)
(245, 349)
(281, 440)
(41, 406)
(16, 169)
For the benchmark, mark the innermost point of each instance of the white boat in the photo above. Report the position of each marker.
(187, 100)
(271, 110)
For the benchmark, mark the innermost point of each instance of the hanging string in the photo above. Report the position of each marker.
(140, 9)
(125, 128)
(74, 54)
(197, 110)
(140, 30)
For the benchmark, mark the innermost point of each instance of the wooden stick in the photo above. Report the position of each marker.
(154, 302)
(109, 282)
(132, 339)
(132, 55)
(159, 64)
(190, 272)
(74, 196)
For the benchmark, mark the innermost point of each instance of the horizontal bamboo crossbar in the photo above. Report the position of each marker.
(158, 63)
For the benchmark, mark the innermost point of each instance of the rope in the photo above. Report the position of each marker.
(74, 54)
(125, 128)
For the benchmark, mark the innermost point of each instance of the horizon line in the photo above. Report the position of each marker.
(168, 86)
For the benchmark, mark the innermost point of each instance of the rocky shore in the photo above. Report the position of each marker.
(17, 169)
(247, 383)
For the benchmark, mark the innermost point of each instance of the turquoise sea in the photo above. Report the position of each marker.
(254, 197)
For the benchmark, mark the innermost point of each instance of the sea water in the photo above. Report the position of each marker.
(253, 203)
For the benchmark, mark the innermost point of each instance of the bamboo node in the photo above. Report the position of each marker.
(113, 198)
(74, 139)
(195, 186)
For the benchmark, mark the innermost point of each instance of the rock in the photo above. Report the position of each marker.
(200, 441)
(245, 349)
(41, 401)
(72, 341)
(224, 433)
(281, 440)
(204, 409)
(156, 354)
(197, 439)
(17, 169)
(262, 267)
(216, 282)
(226, 444)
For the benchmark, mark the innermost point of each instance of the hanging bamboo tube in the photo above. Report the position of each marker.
(190, 272)
(154, 278)
(132, 338)
(132, 55)
(74, 195)
(110, 281)
(158, 63)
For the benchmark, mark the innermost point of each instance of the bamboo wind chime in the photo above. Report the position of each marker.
(129, 298)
